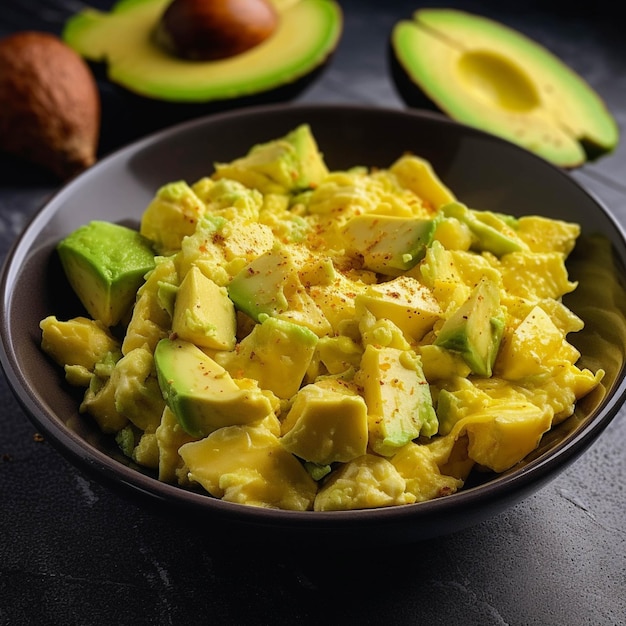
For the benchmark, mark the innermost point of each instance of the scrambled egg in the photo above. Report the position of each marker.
(397, 338)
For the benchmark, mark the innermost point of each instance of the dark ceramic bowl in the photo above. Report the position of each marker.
(484, 172)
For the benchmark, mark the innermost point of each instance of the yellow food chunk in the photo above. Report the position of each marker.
(424, 480)
(150, 320)
(137, 393)
(536, 275)
(439, 363)
(276, 354)
(146, 452)
(325, 426)
(171, 215)
(79, 341)
(404, 301)
(339, 354)
(418, 175)
(203, 313)
(397, 396)
(364, 483)
(502, 426)
(543, 234)
(533, 347)
(99, 403)
(248, 465)
(170, 436)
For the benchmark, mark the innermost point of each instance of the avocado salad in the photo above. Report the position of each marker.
(283, 335)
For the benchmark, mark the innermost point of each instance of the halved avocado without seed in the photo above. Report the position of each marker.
(489, 76)
(306, 33)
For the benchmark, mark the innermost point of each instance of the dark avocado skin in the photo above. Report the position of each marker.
(409, 92)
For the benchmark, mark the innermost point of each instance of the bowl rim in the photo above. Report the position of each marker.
(504, 487)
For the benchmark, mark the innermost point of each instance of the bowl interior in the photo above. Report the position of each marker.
(483, 171)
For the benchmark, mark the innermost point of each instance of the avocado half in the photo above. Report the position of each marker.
(121, 47)
(486, 75)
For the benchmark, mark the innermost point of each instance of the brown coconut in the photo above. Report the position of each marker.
(49, 104)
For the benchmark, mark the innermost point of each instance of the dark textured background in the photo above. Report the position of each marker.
(72, 551)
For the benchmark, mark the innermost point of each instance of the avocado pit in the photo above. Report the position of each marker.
(209, 30)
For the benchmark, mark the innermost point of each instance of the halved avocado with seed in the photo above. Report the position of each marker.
(489, 76)
(306, 33)
(130, 41)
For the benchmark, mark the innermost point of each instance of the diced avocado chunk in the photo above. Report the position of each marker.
(398, 398)
(285, 165)
(388, 244)
(535, 345)
(406, 302)
(277, 354)
(201, 393)
(270, 285)
(105, 263)
(418, 175)
(312, 168)
(491, 232)
(475, 329)
(203, 313)
(326, 425)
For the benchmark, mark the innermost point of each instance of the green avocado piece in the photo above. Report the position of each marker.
(277, 354)
(404, 301)
(201, 393)
(203, 312)
(398, 398)
(312, 168)
(270, 286)
(475, 329)
(307, 34)
(388, 244)
(105, 264)
(290, 164)
(491, 232)
(487, 75)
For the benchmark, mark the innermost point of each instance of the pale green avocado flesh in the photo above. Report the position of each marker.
(105, 264)
(201, 393)
(307, 34)
(475, 329)
(489, 76)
